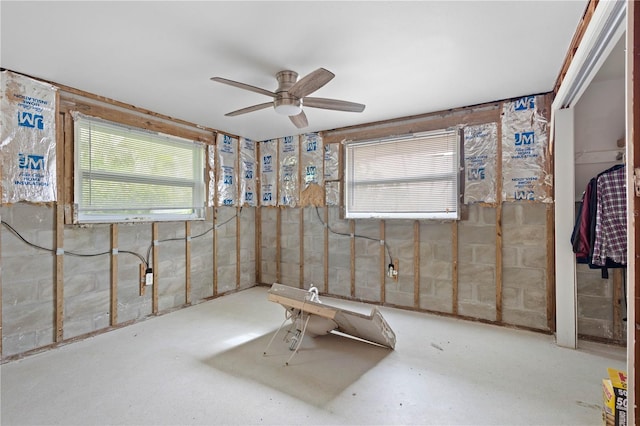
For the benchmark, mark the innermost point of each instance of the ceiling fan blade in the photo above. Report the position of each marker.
(249, 109)
(300, 120)
(334, 104)
(244, 86)
(311, 82)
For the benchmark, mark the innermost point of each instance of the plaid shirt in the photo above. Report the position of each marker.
(611, 218)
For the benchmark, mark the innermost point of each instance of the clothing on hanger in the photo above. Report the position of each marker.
(611, 218)
(599, 236)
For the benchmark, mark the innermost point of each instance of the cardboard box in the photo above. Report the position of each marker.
(614, 395)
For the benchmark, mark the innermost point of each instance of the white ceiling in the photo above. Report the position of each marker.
(398, 58)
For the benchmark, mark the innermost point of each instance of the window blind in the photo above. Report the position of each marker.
(128, 174)
(414, 177)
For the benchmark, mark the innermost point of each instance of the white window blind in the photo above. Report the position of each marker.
(413, 177)
(124, 174)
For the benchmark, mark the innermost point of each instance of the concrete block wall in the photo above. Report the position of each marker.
(171, 265)
(596, 302)
(202, 260)
(313, 248)
(28, 276)
(131, 305)
(523, 260)
(436, 266)
(247, 248)
(268, 245)
(399, 236)
(477, 263)
(339, 275)
(524, 264)
(226, 260)
(87, 284)
(290, 247)
(367, 261)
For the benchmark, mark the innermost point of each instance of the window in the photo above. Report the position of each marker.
(410, 177)
(125, 174)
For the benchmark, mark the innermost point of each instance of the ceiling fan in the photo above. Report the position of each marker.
(291, 95)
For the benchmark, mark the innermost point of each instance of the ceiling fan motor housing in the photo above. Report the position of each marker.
(284, 103)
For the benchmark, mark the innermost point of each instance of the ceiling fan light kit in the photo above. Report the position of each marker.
(291, 95)
(290, 106)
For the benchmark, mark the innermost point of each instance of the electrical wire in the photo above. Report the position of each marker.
(139, 256)
(193, 237)
(70, 253)
(355, 235)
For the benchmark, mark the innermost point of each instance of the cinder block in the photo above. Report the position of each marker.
(314, 274)
(435, 304)
(476, 273)
(512, 298)
(79, 283)
(524, 235)
(17, 293)
(21, 269)
(512, 214)
(470, 234)
(591, 283)
(443, 252)
(436, 270)
(86, 305)
(535, 299)
(524, 278)
(533, 319)
(484, 253)
(474, 310)
(16, 343)
(510, 256)
(29, 216)
(27, 317)
(535, 214)
(438, 232)
(368, 294)
(534, 257)
(596, 328)
(290, 255)
(487, 215)
(399, 298)
(77, 326)
(486, 293)
(594, 308)
(201, 286)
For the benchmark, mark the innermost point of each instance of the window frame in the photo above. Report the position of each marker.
(197, 181)
(455, 173)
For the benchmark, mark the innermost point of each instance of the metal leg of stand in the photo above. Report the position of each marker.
(300, 339)
(276, 333)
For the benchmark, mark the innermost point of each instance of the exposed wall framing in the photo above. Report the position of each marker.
(113, 308)
(575, 42)
(187, 259)
(491, 216)
(68, 100)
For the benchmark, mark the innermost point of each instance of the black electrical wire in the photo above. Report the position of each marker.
(70, 253)
(193, 237)
(355, 235)
(145, 261)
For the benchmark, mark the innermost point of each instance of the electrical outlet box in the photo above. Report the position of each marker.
(148, 277)
(392, 270)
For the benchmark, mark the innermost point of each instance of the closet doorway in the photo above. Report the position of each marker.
(589, 125)
(600, 147)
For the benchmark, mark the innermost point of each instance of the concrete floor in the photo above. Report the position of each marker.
(204, 365)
